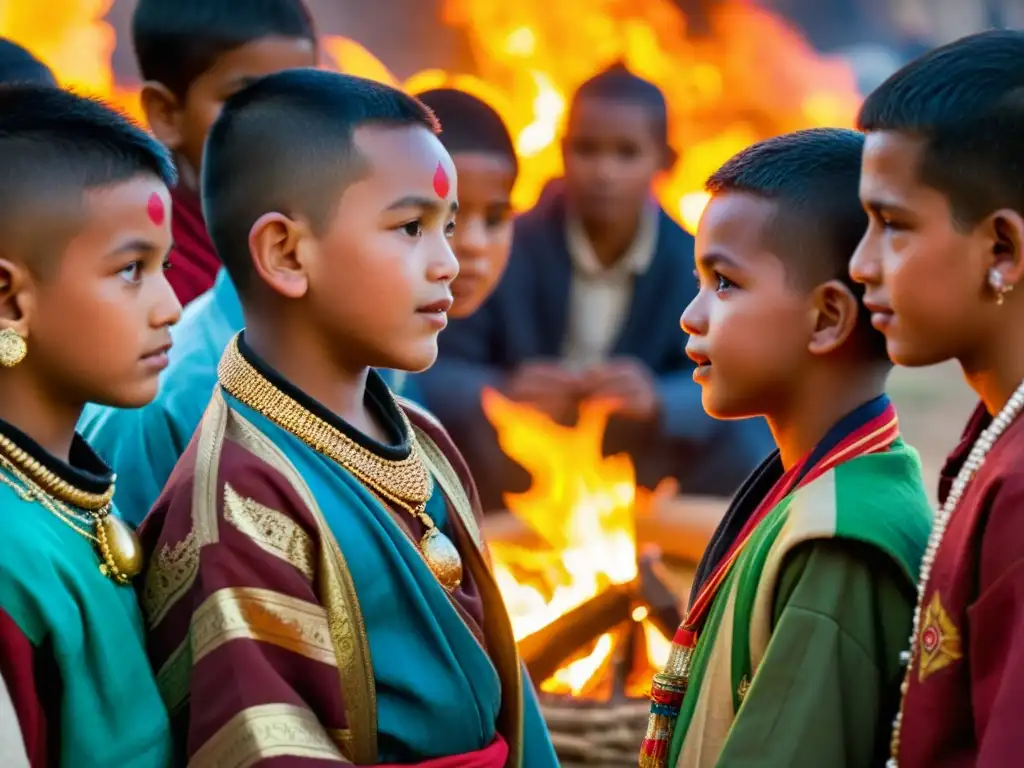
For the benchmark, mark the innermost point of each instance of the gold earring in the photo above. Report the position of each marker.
(12, 348)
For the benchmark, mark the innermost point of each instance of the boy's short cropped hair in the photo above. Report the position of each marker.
(618, 84)
(17, 65)
(469, 124)
(965, 100)
(55, 146)
(286, 144)
(813, 177)
(176, 41)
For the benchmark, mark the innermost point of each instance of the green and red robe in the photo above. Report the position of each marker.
(796, 661)
(293, 620)
(76, 687)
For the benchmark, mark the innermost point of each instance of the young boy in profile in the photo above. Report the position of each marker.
(801, 603)
(193, 54)
(317, 547)
(143, 445)
(943, 186)
(84, 316)
(597, 279)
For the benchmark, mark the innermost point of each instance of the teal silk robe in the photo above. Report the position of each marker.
(142, 445)
(73, 664)
(279, 585)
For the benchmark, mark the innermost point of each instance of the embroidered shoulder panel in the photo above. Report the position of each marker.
(274, 532)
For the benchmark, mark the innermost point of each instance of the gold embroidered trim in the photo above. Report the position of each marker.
(343, 738)
(248, 613)
(272, 531)
(939, 640)
(171, 573)
(741, 692)
(174, 677)
(336, 592)
(441, 469)
(264, 732)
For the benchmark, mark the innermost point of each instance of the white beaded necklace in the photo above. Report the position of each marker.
(979, 451)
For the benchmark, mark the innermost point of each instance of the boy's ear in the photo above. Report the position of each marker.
(16, 300)
(163, 113)
(1005, 230)
(836, 311)
(277, 246)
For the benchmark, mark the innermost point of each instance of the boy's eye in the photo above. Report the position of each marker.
(413, 228)
(449, 231)
(131, 273)
(166, 264)
(496, 218)
(723, 283)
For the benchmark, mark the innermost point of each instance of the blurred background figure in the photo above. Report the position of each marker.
(17, 65)
(589, 308)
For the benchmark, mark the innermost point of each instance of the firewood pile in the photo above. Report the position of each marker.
(604, 726)
(589, 734)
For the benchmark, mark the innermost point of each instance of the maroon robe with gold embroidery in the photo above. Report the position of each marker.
(282, 662)
(965, 703)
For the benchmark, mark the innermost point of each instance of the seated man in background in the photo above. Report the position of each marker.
(590, 307)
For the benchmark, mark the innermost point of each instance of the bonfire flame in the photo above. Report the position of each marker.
(582, 507)
(746, 77)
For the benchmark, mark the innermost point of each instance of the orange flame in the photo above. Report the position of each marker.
(750, 77)
(581, 505)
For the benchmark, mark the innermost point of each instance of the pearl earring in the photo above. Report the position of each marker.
(996, 282)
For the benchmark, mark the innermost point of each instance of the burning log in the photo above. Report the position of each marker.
(547, 649)
(661, 601)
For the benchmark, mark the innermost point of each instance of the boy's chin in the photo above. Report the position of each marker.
(717, 405)
(136, 395)
(915, 356)
(414, 359)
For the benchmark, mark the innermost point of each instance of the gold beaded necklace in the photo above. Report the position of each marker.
(117, 545)
(403, 482)
(975, 459)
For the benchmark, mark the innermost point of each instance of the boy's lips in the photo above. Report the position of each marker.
(703, 369)
(439, 306)
(157, 358)
(881, 314)
(436, 313)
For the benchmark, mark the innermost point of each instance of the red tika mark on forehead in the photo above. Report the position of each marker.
(441, 185)
(156, 210)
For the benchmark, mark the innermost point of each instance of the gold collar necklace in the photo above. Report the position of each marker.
(116, 543)
(403, 482)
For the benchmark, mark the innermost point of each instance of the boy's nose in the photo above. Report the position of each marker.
(444, 267)
(693, 321)
(864, 263)
(167, 308)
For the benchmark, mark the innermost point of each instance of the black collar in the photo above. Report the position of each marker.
(84, 470)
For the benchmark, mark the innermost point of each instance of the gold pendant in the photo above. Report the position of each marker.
(442, 558)
(120, 549)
